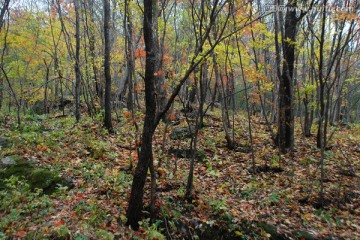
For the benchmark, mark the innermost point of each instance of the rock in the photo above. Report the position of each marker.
(270, 229)
(48, 180)
(64, 102)
(45, 179)
(38, 107)
(187, 153)
(182, 133)
(15, 166)
(301, 234)
(4, 142)
(6, 161)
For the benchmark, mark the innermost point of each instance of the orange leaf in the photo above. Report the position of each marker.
(59, 223)
(140, 53)
(172, 116)
(127, 114)
(134, 155)
(21, 234)
(158, 73)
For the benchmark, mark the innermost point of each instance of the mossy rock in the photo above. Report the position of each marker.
(47, 180)
(300, 234)
(37, 177)
(19, 167)
(270, 229)
(4, 142)
(182, 133)
(187, 153)
(38, 107)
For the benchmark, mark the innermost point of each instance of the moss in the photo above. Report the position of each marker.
(303, 235)
(270, 229)
(47, 180)
(22, 168)
(41, 178)
(37, 177)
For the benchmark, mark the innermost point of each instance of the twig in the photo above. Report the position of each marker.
(167, 229)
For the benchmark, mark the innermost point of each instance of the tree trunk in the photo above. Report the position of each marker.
(107, 119)
(2, 15)
(145, 156)
(3, 10)
(130, 60)
(77, 59)
(307, 123)
(285, 119)
(46, 86)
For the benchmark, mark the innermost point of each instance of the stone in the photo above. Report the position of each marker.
(187, 153)
(182, 133)
(274, 234)
(301, 234)
(41, 178)
(38, 107)
(6, 161)
(4, 142)
(48, 180)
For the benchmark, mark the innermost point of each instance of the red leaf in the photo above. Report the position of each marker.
(59, 223)
(21, 234)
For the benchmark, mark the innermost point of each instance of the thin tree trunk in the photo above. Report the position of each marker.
(3, 10)
(46, 87)
(77, 60)
(137, 189)
(107, 119)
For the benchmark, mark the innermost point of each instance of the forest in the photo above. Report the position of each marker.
(168, 119)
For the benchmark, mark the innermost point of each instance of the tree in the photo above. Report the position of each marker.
(77, 60)
(153, 118)
(285, 138)
(3, 11)
(145, 157)
(2, 16)
(107, 119)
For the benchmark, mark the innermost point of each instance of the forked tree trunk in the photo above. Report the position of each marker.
(145, 157)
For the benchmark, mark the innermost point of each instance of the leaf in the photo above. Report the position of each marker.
(238, 233)
(158, 73)
(21, 234)
(59, 223)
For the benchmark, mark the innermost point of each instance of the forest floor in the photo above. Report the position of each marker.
(278, 201)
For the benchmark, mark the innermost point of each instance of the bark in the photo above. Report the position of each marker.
(77, 59)
(307, 122)
(145, 156)
(2, 16)
(285, 119)
(130, 59)
(320, 142)
(152, 118)
(91, 36)
(3, 11)
(107, 119)
(46, 86)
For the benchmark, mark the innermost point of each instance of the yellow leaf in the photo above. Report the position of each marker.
(238, 233)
